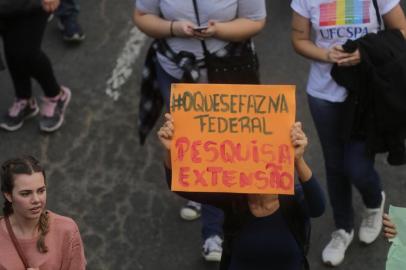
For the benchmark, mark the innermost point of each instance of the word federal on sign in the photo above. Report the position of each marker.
(233, 138)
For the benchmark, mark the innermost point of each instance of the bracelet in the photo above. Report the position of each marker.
(171, 29)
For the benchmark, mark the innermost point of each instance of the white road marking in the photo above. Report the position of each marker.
(123, 70)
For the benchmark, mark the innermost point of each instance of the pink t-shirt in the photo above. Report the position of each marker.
(65, 247)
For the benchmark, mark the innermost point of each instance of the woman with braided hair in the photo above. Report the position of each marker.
(32, 237)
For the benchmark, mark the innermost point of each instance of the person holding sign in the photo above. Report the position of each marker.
(262, 231)
(346, 160)
(186, 33)
(32, 237)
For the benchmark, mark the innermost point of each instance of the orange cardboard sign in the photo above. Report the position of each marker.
(233, 138)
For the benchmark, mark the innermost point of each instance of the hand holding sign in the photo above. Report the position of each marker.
(299, 140)
(165, 133)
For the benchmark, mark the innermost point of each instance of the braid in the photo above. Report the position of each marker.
(7, 208)
(6, 186)
(43, 227)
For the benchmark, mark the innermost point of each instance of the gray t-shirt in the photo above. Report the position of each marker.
(219, 10)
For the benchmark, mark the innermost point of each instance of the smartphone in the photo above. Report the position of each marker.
(200, 28)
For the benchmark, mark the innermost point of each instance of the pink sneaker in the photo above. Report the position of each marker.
(53, 110)
(21, 110)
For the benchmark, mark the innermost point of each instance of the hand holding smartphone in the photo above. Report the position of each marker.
(200, 28)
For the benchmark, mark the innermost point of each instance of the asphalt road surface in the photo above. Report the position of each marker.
(114, 188)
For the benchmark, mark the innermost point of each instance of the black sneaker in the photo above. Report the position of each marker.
(21, 110)
(53, 110)
(71, 29)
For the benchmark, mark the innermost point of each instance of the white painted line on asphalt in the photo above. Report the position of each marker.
(123, 70)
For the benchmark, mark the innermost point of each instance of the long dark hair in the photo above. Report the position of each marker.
(23, 165)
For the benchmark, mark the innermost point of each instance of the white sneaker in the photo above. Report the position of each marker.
(333, 253)
(371, 224)
(191, 211)
(212, 249)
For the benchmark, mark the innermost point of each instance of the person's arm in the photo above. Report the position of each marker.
(157, 27)
(299, 141)
(50, 5)
(313, 201)
(77, 260)
(165, 135)
(301, 40)
(73, 257)
(395, 19)
(303, 45)
(389, 228)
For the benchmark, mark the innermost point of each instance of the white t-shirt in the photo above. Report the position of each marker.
(334, 22)
(224, 10)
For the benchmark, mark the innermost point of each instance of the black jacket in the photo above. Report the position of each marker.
(377, 93)
(308, 201)
(10, 8)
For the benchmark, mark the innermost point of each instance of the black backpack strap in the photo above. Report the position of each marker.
(196, 9)
(297, 224)
(378, 14)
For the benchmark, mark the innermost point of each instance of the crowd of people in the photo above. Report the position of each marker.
(153, 17)
(241, 231)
